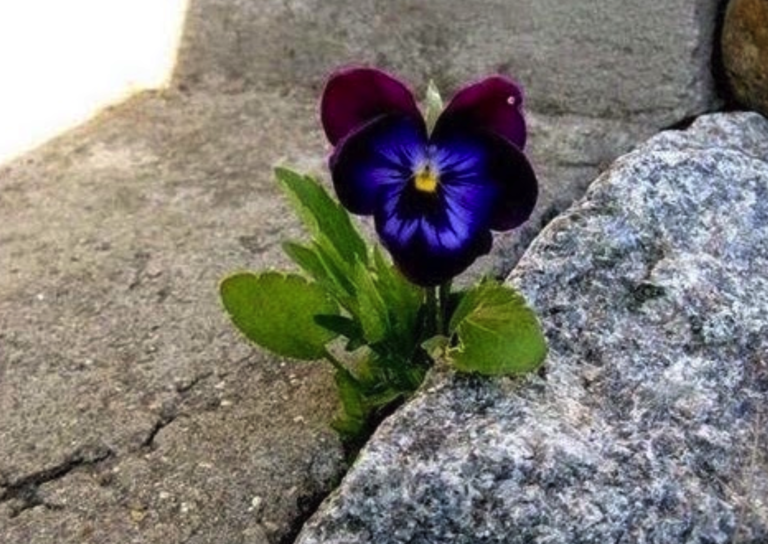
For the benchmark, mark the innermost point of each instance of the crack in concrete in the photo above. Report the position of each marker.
(172, 412)
(24, 491)
(162, 422)
(194, 382)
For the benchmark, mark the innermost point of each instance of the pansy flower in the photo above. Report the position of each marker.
(435, 197)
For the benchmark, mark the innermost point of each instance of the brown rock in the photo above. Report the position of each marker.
(745, 52)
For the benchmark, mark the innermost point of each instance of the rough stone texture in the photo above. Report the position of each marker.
(745, 52)
(594, 58)
(130, 410)
(568, 152)
(649, 424)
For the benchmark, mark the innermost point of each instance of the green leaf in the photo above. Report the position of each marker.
(351, 397)
(340, 325)
(349, 429)
(372, 311)
(436, 346)
(338, 269)
(307, 259)
(277, 312)
(344, 326)
(496, 332)
(385, 398)
(321, 214)
(323, 267)
(402, 298)
(368, 372)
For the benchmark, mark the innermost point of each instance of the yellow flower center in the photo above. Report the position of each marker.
(426, 180)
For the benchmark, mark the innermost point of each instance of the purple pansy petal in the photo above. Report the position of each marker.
(519, 188)
(435, 200)
(501, 165)
(378, 154)
(494, 104)
(354, 96)
(426, 253)
(431, 270)
(435, 236)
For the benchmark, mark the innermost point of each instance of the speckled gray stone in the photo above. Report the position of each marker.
(649, 424)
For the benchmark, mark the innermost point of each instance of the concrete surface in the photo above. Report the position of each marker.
(130, 411)
(647, 61)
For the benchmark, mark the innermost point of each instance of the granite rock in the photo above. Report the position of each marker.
(567, 152)
(649, 422)
(745, 52)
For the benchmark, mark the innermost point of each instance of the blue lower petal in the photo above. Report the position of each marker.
(435, 236)
(434, 232)
(427, 254)
(483, 158)
(380, 154)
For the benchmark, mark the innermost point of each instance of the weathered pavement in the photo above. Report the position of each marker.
(129, 409)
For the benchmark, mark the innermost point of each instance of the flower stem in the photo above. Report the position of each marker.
(433, 314)
(437, 299)
(442, 310)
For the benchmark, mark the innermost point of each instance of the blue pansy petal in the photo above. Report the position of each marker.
(381, 153)
(467, 208)
(395, 226)
(498, 164)
(425, 253)
(435, 236)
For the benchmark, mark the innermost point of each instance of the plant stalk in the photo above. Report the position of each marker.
(442, 313)
(433, 311)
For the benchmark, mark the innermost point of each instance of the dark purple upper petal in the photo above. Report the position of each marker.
(494, 104)
(380, 153)
(355, 96)
(504, 167)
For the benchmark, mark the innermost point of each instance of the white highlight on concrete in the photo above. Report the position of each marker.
(61, 62)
